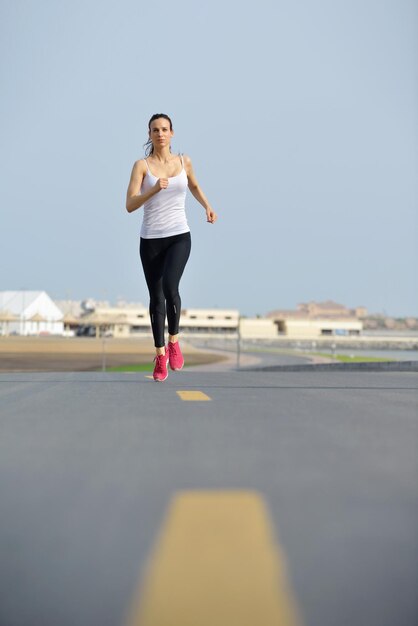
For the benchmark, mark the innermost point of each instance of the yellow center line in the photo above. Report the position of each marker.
(196, 396)
(215, 564)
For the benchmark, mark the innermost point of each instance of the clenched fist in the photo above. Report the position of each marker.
(211, 216)
(162, 183)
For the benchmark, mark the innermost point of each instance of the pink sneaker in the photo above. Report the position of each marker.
(160, 369)
(175, 356)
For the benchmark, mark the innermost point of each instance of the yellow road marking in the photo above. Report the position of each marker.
(193, 395)
(215, 564)
(152, 377)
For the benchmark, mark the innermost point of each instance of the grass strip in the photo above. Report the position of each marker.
(344, 358)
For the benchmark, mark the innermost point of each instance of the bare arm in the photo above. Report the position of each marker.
(134, 200)
(197, 192)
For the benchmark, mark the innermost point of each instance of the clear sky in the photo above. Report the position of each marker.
(301, 120)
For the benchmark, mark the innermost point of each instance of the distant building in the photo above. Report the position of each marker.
(318, 319)
(133, 320)
(314, 310)
(80, 307)
(33, 312)
(209, 320)
(118, 321)
(258, 328)
(29, 313)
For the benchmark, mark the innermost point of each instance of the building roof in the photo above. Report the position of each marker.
(315, 310)
(29, 303)
(326, 305)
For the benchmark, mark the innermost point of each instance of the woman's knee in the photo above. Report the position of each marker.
(157, 302)
(171, 295)
(170, 289)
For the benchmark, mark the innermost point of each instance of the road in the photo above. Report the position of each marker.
(89, 463)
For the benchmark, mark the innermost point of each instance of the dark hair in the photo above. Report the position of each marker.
(149, 148)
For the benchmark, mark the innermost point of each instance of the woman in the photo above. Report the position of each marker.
(165, 242)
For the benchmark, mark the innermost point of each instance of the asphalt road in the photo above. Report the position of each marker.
(89, 462)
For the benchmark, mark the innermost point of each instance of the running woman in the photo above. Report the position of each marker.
(159, 183)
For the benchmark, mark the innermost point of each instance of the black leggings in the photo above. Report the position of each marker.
(164, 260)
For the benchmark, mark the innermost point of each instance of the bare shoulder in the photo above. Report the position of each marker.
(187, 163)
(139, 170)
(137, 176)
(140, 166)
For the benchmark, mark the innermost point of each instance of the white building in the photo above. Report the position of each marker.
(135, 320)
(209, 320)
(258, 328)
(29, 313)
(316, 328)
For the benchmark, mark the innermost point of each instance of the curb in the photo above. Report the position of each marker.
(379, 366)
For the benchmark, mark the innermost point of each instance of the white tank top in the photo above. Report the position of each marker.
(165, 213)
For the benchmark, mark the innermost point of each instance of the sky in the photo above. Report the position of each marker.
(300, 118)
